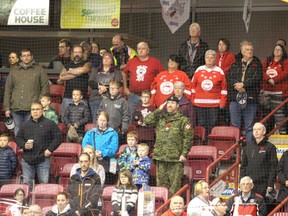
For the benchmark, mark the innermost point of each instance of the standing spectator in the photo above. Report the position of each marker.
(25, 84)
(95, 47)
(104, 140)
(129, 153)
(174, 136)
(243, 80)
(98, 168)
(259, 161)
(49, 112)
(209, 92)
(117, 108)
(99, 82)
(13, 59)
(121, 52)
(140, 166)
(94, 58)
(283, 177)
(282, 42)
(84, 187)
(64, 55)
(176, 207)
(77, 115)
(275, 82)
(38, 137)
(247, 202)
(192, 51)
(8, 160)
(75, 76)
(185, 105)
(224, 58)
(124, 187)
(145, 134)
(163, 84)
(62, 206)
(142, 71)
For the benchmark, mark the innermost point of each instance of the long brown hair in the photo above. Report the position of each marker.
(128, 174)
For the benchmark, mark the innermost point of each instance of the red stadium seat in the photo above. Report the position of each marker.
(106, 196)
(89, 126)
(65, 153)
(45, 194)
(121, 148)
(62, 127)
(57, 92)
(64, 174)
(199, 158)
(7, 190)
(223, 137)
(56, 107)
(199, 135)
(14, 146)
(161, 195)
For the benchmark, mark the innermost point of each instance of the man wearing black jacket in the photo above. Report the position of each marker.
(38, 137)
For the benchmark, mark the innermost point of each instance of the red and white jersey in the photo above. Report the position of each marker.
(142, 73)
(163, 86)
(209, 87)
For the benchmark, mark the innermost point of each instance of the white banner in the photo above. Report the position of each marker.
(247, 13)
(23, 12)
(175, 13)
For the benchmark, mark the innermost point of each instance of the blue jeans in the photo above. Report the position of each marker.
(133, 100)
(94, 106)
(20, 117)
(248, 113)
(42, 169)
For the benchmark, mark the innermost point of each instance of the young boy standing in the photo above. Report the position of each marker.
(8, 160)
(49, 112)
(76, 116)
(129, 153)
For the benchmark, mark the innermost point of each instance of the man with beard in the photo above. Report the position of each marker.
(25, 84)
(174, 136)
(75, 76)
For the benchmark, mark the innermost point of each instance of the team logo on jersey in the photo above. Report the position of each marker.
(207, 85)
(166, 87)
(271, 73)
(141, 71)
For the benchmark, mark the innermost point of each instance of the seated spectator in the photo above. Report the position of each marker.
(35, 210)
(25, 212)
(145, 134)
(246, 202)
(8, 160)
(77, 115)
(49, 112)
(274, 84)
(94, 58)
(64, 55)
(62, 206)
(163, 84)
(185, 105)
(129, 153)
(117, 108)
(200, 204)
(124, 187)
(95, 47)
(13, 59)
(84, 187)
(224, 58)
(140, 167)
(104, 140)
(19, 196)
(99, 82)
(98, 168)
(283, 177)
(176, 207)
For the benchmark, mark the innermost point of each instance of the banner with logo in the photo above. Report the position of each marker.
(99, 14)
(23, 12)
(175, 13)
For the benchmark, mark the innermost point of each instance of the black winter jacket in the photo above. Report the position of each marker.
(8, 163)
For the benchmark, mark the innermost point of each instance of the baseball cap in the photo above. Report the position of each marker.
(241, 99)
(10, 124)
(173, 98)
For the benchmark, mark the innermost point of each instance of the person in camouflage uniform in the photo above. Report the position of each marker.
(174, 136)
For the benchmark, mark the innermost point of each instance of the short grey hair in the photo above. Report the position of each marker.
(245, 43)
(246, 178)
(179, 83)
(196, 25)
(210, 52)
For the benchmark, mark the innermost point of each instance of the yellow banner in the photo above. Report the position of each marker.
(280, 141)
(98, 14)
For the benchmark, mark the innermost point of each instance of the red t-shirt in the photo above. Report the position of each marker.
(142, 73)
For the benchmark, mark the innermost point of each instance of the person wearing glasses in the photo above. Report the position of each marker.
(64, 53)
(25, 83)
(38, 137)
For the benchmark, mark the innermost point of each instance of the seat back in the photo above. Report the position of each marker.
(199, 135)
(45, 194)
(199, 158)
(161, 195)
(7, 190)
(107, 205)
(121, 148)
(56, 107)
(223, 137)
(89, 126)
(64, 174)
(57, 92)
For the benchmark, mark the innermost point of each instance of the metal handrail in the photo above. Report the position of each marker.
(179, 192)
(278, 207)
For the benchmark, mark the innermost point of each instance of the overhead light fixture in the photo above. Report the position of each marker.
(286, 1)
